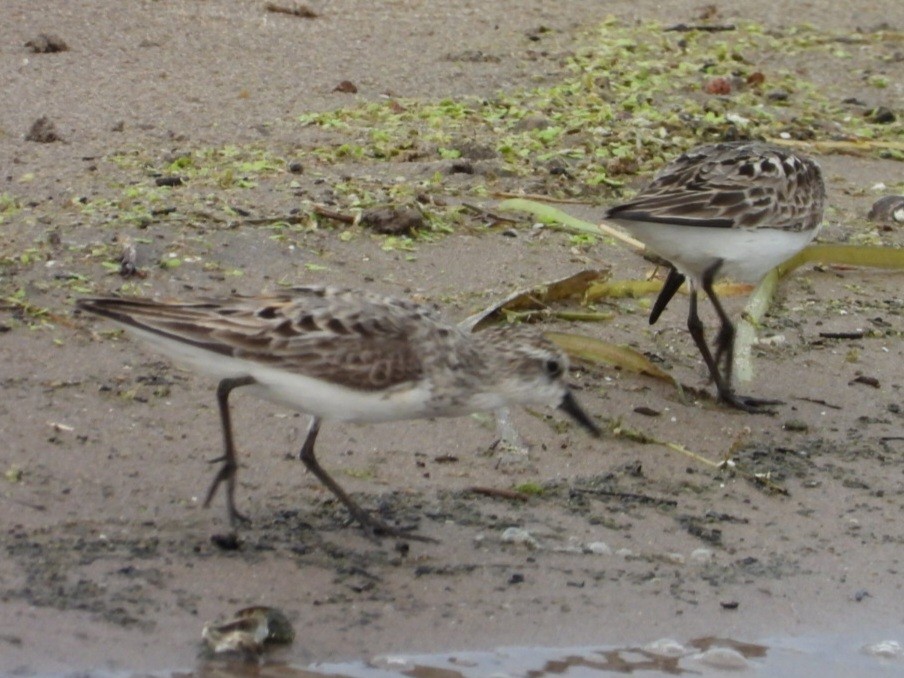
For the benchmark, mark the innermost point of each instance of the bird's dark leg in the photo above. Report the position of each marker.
(229, 465)
(725, 354)
(372, 525)
(724, 343)
(695, 327)
(672, 284)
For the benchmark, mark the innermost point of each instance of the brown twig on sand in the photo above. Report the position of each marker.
(302, 11)
(322, 211)
(499, 493)
(706, 28)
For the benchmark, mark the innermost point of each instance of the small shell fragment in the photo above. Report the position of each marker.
(887, 209)
(128, 260)
(248, 633)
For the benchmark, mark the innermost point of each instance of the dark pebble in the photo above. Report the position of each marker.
(880, 115)
(47, 43)
(346, 87)
(393, 220)
(43, 131)
(226, 542)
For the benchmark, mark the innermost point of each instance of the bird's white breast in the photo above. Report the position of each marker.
(747, 254)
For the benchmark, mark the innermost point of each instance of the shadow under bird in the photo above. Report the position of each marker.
(346, 355)
(730, 209)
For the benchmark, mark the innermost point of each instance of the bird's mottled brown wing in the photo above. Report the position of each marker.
(345, 337)
(732, 185)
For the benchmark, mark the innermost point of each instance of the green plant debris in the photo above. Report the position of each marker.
(761, 298)
(9, 206)
(530, 488)
(630, 97)
(626, 99)
(26, 312)
(394, 243)
(13, 474)
(170, 261)
(596, 351)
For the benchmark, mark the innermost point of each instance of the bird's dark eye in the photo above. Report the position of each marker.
(554, 368)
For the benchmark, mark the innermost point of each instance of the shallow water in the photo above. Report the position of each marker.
(818, 656)
(878, 654)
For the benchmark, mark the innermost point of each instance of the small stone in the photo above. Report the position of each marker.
(518, 535)
(796, 425)
(873, 382)
(666, 647)
(47, 43)
(723, 658)
(880, 115)
(647, 411)
(346, 87)
(532, 123)
(393, 220)
(702, 556)
(756, 78)
(461, 167)
(226, 542)
(772, 340)
(886, 649)
(474, 151)
(169, 181)
(599, 548)
(43, 131)
(721, 86)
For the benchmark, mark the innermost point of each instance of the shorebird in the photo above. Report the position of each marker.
(731, 209)
(346, 355)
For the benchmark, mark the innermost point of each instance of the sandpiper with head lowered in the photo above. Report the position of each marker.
(346, 355)
(730, 209)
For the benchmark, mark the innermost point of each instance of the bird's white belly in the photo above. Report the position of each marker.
(336, 402)
(747, 254)
(300, 392)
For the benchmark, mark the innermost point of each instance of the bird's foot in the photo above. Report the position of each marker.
(374, 528)
(748, 403)
(236, 517)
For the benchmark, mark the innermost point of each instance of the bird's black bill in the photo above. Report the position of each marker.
(570, 406)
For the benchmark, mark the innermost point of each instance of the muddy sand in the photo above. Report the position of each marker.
(106, 556)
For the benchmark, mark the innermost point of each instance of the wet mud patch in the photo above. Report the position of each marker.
(86, 573)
